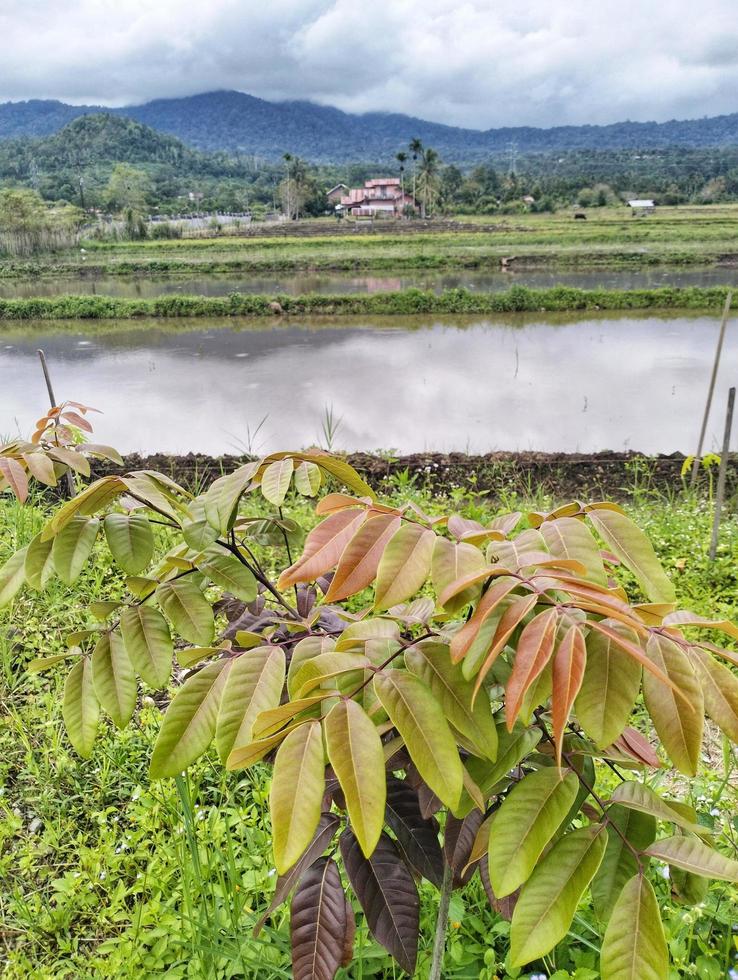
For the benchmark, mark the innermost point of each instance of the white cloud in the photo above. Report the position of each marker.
(477, 63)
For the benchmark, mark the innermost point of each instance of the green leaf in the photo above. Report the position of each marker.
(220, 503)
(12, 576)
(254, 684)
(404, 566)
(72, 547)
(691, 854)
(80, 709)
(114, 679)
(549, 900)
(307, 479)
(298, 784)
(609, 689)
(420, 720)
(431, 662)
(39, 564)
(511, 748)
(355, 752)
(189, 723)
(527, 820)
(188, 609)
(229, 573)
(131, 541)
(101, 610)
(275, 481)
(342, 471)
(678, 724)
(634, 946)
(148, 643)
(638, 796)
(42, 663)
(635, 551)
(619, 863)
(719, 688)
(198, 533)
(314, 672)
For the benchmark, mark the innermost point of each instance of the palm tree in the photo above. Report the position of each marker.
(401, 159)
(287, 157)
(416, 148)
(429, 179)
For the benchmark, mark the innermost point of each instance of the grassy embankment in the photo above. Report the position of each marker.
(609, 237)
(517, 299)
(108, 876)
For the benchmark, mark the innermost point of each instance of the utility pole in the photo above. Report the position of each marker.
(512, 155)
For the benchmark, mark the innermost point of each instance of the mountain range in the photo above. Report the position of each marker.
(238, 122)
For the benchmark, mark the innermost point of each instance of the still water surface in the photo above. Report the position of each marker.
(337, 282)
(525, 383)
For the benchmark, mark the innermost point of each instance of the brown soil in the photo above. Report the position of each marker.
(562, 475)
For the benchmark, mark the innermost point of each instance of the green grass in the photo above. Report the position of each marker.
(517, 299)
(105, 875)
(610, 237)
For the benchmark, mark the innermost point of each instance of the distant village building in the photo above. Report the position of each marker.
(528, 199)
(642, 207)
(381, 196)
(335, 194)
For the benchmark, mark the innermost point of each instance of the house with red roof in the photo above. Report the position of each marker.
(382, 196)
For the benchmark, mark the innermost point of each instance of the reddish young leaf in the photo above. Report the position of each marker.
(318, 923)
(533, 653)
(491, 599)
(387, 894)
(568, 673)
(633, 744)
(16, 477)
(77, 420)
(323, 547)
(334, 502)
(511, 619)
(357, 566)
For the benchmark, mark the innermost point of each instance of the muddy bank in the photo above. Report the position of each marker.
(562, 475)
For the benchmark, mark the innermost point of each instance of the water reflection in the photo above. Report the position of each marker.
(482, 385)
(351, 283)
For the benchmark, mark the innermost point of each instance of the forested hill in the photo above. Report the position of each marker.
(235, 121)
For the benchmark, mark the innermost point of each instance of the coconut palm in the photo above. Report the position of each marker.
(429, 179)
(416, 148)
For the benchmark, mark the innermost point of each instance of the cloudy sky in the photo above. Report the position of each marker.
(476, 63)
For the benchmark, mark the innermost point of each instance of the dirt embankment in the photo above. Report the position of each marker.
(562, 475)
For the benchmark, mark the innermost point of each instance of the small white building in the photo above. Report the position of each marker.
(642, 207)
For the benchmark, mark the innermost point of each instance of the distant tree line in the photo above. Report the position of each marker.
(114, 165)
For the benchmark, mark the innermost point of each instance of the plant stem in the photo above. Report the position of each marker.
(439, 942)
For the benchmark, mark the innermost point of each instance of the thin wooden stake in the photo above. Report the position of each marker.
(711, 389)
(52, 399)
(721, 475)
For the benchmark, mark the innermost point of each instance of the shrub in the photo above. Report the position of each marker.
(475, 680)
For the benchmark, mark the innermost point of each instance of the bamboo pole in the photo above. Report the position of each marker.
(711, 389)
(52, 400)
(721, 475)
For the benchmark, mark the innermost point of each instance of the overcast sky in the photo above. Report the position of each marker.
(478, 63)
